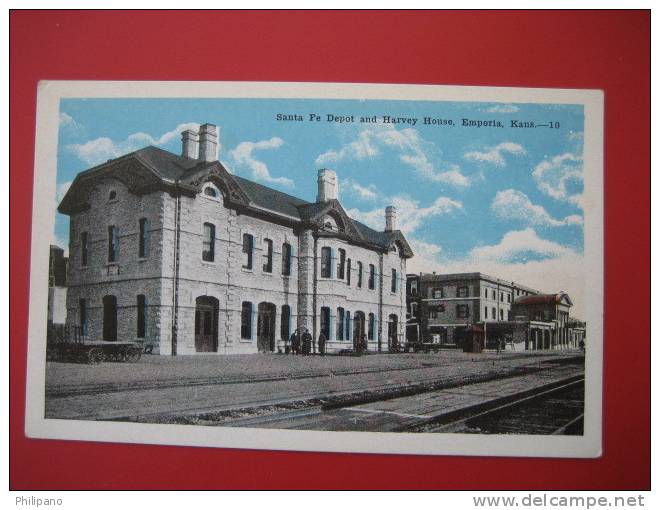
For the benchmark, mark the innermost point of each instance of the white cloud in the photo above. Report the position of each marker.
(101, 149)
(519, 245)
(495, 154)
(413, 152)
(502, 108)
(409, 213)
(514, 205)
(369, 192)
(242, 155)
(558, 177)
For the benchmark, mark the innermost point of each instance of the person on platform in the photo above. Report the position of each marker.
(307, 342)
(295, 342)
(322, 341)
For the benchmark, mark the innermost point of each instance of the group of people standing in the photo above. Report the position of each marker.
(301, 342)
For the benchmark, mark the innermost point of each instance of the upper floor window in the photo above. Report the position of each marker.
(286, 259)
(438, 292)
(501, 314)
(84, 248)
(359, 277)
(113, 244)
(341, 264)
(348, 272)
(508, 298)
(485, 312)
(268, 256)
(208, 244)
(112, 195)
(143, 240)
(413, 309)
(486, 293)
(394, 280)
(462, 292)
(413, 288)
(326, 256)
(372, 277)
(210, 191)
(494, 294)
(462, 311)
(494, 313)
(501, 296)
(248, 246)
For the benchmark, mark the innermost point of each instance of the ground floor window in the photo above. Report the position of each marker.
(246, 320)
(141, 316)
(285, 326)
(340, 323)
(325, 322)
(372, 326)
(110, 318)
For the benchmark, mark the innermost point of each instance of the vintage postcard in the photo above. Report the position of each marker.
(322, 267)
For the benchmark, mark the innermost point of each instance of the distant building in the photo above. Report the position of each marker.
(179, 253)
(57, 266)
(457, 310)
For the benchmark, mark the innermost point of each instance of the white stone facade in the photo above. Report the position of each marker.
(153, 274)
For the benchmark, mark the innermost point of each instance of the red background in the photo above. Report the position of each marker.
(583, 49)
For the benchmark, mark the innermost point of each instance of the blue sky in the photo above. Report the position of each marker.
(500, 200)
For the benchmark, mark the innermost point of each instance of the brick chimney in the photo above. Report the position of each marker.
(390, 218)
(208, 143)
(190, 143)
(328, 185)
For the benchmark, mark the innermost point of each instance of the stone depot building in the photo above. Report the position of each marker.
(178, 253)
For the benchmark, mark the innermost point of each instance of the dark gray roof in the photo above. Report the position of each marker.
(178, 172)
(271, 199)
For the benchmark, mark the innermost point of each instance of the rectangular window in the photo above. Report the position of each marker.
(433, 313)
(143, 241)
(462, 311)
(347, 321)
(325, 262)
(413, 309)
(325, 322)
(508, 298)
(485, 312)
(141, 316)
(284, 327)
(486, 293)
(348, 272)
(413, 288)
(208, 244)
(113, 244)
(494, 294)
(82, 306)
(359, 283)
(341, 264)
(438, 293)
(84, 248)
(248, 245)
(501, 296)
(501, 314)
(372, 277)
(246, 320)
(286, 259)
(339, 326)
(268, 256)
(494, 313)
(394, 280)
(462, 292)
(372, 326)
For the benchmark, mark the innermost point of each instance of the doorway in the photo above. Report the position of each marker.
(206, 324)
(266, 327)
(358, 329)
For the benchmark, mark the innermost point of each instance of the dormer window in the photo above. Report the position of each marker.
(112, 195)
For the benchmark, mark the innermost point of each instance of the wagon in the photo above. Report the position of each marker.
(74, 347)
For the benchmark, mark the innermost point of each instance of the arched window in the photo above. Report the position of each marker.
(210, 191)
